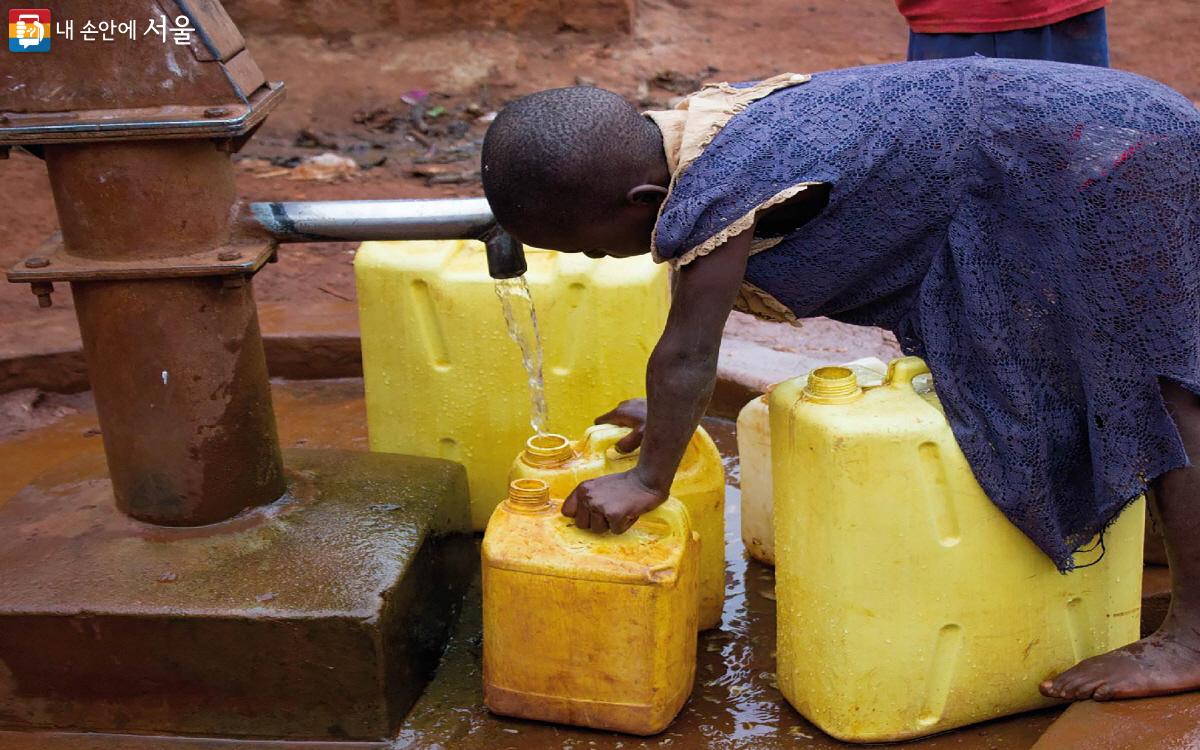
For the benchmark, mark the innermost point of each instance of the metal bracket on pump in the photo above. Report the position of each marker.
(208, 87)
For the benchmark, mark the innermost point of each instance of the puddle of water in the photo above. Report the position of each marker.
(521, 318)
(735, 704)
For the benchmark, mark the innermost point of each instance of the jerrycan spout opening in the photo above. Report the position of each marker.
(547, 450)
(832, 385)
(528, 495)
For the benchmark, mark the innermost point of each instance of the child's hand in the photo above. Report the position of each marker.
(631, 413)
(611, 502)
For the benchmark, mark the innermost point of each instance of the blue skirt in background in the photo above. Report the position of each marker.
(1082, 39)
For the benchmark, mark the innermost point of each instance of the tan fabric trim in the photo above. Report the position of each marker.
(754, 301)
(713, 106)
(757, 246)
(670, 123)
(705, 113)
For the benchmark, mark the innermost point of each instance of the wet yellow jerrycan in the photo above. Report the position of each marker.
(754, 462)
(594, 630)
(699, 484)
(444, 380)
(907, 603)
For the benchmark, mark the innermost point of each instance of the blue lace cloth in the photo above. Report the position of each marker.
(1029, 228)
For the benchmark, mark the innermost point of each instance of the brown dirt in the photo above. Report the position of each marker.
(347, 94)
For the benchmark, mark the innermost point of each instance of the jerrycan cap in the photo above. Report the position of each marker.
(547, 449)
(832, 385)
(528, 495)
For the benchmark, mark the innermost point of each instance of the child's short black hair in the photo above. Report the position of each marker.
(565, 156)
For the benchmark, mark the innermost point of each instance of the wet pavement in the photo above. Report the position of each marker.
(735, 703)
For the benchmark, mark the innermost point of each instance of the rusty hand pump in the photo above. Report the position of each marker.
(159, 251)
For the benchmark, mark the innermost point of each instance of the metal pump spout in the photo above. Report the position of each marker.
(505, 255)
(357, 221)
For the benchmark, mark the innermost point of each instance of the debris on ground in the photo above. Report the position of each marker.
(419, 135)
(325, 167)
(30, 408)
(681, 83)
(444, 174)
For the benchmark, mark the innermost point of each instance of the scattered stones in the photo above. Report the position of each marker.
(325, 167)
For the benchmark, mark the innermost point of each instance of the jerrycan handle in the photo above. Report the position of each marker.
(902, 372)
(600, 438)
(615, 457)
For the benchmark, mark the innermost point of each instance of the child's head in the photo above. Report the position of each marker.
(575, 169)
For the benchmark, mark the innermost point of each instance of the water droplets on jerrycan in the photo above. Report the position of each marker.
(881, 528)
(440, 370)
(556, 597)
(754, 456)
(699, 485)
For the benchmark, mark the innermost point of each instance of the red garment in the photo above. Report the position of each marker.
(989, 16)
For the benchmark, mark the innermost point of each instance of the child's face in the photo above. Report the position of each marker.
(624, 234)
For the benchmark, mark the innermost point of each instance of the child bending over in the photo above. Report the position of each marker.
(1030, 229)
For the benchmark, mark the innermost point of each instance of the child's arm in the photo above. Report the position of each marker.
(679, 382)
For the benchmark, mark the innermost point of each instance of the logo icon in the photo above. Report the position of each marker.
(29, 30)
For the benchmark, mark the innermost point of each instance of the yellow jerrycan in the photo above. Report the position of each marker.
(594, 630)
(444, 380)
(754, 461)
(907, 603)
(699, 484)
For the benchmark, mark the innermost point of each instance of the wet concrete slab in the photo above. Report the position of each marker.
(320, 615)
(1167, 723)
(735, 704)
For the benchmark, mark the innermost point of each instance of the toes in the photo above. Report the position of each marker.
(1074, 684)
(1054, 688)
(1087, 689)
(1128, 688)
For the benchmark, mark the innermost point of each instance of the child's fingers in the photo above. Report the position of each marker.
(618, 418)
(632, 441)
(621, 524)
(599, 522)
(571, 504)
(631, 413)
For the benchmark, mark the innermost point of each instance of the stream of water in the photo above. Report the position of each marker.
(521, 319)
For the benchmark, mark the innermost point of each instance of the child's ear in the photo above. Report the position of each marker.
(647, 195)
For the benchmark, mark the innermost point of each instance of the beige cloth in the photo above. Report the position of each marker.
(686, 131)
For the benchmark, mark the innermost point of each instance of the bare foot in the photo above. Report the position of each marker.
(1168, 661)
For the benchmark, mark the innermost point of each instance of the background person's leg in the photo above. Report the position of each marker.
(942, 46)
(1082, 40)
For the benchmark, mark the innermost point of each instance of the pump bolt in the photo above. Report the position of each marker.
(42, 289)
(216, 111)
(37, 261)
(229, 255)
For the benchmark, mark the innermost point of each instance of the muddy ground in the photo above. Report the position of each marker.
(407, 114)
